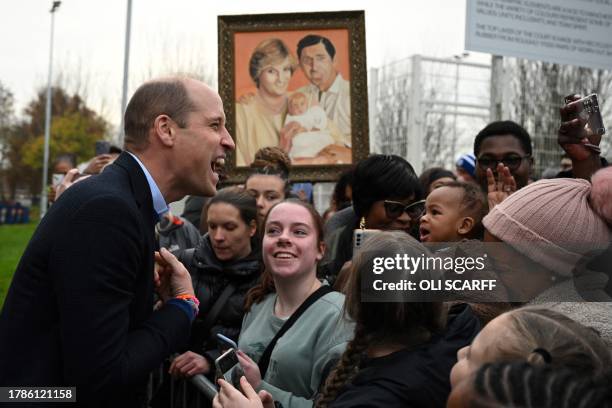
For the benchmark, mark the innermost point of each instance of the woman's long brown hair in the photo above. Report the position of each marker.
(266, 285)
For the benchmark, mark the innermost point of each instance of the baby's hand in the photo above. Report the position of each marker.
(287, 134)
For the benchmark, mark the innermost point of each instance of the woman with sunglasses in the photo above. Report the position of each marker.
(386, 196)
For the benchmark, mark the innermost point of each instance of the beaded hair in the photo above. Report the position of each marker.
(526, 385)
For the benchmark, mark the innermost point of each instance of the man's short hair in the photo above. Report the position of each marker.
(313, 39)
(502, 128)
(159, 97)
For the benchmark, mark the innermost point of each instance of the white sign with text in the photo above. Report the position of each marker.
(576, 32)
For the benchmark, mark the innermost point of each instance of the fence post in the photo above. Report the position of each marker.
(497, 87)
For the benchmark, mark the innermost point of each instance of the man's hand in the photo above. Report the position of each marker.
(230, 397)
(336, 154)
(68, 181)
(189, 364)
(500, 189)
(251, 369)
(96, 164)
(287, 134)
(573, 136)
(171, 277)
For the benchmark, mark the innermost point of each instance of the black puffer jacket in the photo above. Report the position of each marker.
(210, 276)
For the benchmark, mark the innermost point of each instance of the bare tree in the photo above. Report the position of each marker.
(537, 91)
(438, 88)
(180, 57)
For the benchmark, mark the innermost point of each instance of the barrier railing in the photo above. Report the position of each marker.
(182, 393)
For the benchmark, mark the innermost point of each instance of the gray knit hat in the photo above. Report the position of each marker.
(552, 222)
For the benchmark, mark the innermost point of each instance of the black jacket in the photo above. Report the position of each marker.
(415, 377)
(79, 311)
(210, 277)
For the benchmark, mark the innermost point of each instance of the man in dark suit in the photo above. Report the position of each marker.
(79, 311)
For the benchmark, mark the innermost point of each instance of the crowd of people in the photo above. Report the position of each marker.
(94, 305)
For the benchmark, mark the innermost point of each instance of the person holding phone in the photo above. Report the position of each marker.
(293, 331)
(105, 155)
(580, 142)
(226, 263)
(63, 164)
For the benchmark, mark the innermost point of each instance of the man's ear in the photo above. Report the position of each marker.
(164, 130)
(465, 225)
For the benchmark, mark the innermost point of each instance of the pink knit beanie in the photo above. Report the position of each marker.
(601, 196)
(553, 221)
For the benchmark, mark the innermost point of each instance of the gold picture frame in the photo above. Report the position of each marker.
(263, 82)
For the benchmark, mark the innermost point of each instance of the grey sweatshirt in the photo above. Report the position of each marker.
(303, 354)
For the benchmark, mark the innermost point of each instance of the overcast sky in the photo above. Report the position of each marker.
(166, 35)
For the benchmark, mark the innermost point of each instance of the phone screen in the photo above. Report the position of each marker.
(229, 360)
(57, 178)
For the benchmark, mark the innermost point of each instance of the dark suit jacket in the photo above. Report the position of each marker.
(79, 311)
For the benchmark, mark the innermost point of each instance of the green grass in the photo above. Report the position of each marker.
(13, 240)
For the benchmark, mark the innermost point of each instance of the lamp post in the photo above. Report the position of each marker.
(43, 195)
(126, 65)
(458, 58)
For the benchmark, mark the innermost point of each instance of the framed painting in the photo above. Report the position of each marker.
(297, 81)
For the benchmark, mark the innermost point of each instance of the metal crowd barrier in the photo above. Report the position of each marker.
(197, 391)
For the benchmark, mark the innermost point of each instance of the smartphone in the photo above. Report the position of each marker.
(360, 236)
(57, 178)
(589, 110)
(225, 343)
(226, 365)
(102, 147)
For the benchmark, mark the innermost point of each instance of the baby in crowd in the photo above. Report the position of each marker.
(453, 212)
(315, 135)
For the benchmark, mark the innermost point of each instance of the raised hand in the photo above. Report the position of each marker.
(578, 140)
(287, 134)
(96, 164)
(69, 179)
(498, 190)
(170, 276)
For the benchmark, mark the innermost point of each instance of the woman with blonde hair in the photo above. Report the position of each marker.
(260, 118)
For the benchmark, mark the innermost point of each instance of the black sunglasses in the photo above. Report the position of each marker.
(512, 162)
(394, 209)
